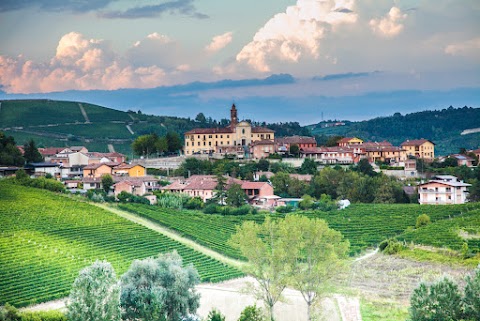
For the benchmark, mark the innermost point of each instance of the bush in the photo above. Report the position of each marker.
(422, 220)
(436, 302)
(215, 315)
(391, 246)
(284, 209)
(471, 299)
(43, 316)
(211, 209)
(194, 203)
(242, 210)
(9, 313)
(251, 313)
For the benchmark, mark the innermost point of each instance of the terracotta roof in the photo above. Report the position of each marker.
(50, 150)
(416, 142)
(320, 150)
(225, 130)
(346, 140)
(376, 144)
(97, 165)
(253, 185)
(127, 166)
(149, 178)
(262, 130)
(131, 183)
(263, 142)
(296, 140)
(200, 182)
(76, 148)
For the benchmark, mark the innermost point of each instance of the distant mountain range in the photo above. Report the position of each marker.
(65, 123)
(353, 96)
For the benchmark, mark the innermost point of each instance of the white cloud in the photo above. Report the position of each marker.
(219, 42)
(84, 64)
(390, 25)
(467, 48)
(296, 33)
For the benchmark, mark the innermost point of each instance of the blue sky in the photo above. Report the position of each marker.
(58, 45)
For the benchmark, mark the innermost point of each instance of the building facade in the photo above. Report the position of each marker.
(442, 190)
(419, 148)
(235, 138)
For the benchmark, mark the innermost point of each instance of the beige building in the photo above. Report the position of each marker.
(237, 137)
(420, 148)
(443, 189)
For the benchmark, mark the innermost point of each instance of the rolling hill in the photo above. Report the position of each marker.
(447, 128)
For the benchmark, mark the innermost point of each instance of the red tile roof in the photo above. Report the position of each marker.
(296, 140)
(253, 185)
(259, 130)
(416, 142)
(225, 130)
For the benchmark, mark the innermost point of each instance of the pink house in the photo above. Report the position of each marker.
(132, 187)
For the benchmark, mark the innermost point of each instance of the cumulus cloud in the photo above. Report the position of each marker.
(467, 48)
(390, 25)
(219, 42)
(296, 33)
(84, 64)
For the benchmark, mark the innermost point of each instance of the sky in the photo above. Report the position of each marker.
(59, 45)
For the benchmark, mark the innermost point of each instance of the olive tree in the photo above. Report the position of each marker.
(159, 289)
(95, 294)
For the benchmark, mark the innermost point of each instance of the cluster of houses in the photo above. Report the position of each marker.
(80, 169)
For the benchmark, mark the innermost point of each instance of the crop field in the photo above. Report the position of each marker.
(451, 233)
(106, 130)
(46, 239)
(364, 225)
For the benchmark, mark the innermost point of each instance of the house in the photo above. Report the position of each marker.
(130, 186)
(476, 152)
(8, 170)
(330, 155)
(463, 160)
(300, 141)
(43, 168)
(98, 170)
(383, 152)
(238, 135)
(443, 189)
(419, 148)
(347, 141)
(131, 170)
(49, 152)
(262, 148)
(204, 186)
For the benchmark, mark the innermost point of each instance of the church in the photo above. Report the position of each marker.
(233, 139)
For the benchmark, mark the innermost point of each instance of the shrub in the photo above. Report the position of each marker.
(215, 315)
(251, 313)
(471, 299)
(194, 203)
(210, 209)
(422, 220)
(52, 315)
(284, 209)
(436, 302)
(9, 313)
(391, 246)
(242, 210)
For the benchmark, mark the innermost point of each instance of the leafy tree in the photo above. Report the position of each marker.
(174, 142)
(474, 191)
(221, 187)
(317, 253)
(215, 315)
(471, 299)
(9, 153)
(306, 202)
(422, 220)
(297, 188)
(161, 145)
(450, 162)
(107, 182)
(251, 313)
(280, 182)
(9, 313)
(159, 289)
(364, 167)
(145, 145)
(200, 118)
(21, 175)
(95, 294)
(294, 150)
(308, 167)
(333, 141)
(31, 153)
(326, 182)
(263, 165)
(384, 192)
(236, 195)
(266, 254)
(440, 301)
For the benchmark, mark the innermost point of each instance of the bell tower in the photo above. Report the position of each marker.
(233, 116)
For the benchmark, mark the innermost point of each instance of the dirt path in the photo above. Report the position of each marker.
(173, 235)
(84, 113)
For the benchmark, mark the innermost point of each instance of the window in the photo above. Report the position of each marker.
(204, 143)
(228, 136)
(216, 136)
(209, 143)
(187, 143)
(209, 136)
(198, 144)
(221, 136)
(243, 130)
(198, 136)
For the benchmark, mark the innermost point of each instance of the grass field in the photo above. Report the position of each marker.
(46, 239)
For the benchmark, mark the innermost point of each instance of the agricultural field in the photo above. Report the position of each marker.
(364, 225)
(46, 239)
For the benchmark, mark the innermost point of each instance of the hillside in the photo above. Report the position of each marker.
(65, 123)
(444, 127)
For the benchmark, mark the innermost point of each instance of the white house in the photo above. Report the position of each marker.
(443, 189)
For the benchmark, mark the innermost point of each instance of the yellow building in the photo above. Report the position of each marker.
(420, 148)
(132, 170)
(349, 141)
(235, 138)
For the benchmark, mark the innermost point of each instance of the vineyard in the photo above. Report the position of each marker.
(364, 225)
(46, 239)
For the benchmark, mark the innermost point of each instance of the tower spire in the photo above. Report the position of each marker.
(233, 116)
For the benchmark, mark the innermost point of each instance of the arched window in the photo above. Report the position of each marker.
(243, 130)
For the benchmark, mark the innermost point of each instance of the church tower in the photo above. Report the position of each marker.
(233, 116)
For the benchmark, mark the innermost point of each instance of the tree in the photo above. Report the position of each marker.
(161, 145)
(221, 187)
(471, 298)
(308, 167)
(95, 294)
(440, 301)
(317, 254)
(215, 315)
(364, 167)
(31, 153)
(294, 150)
(9, 153)
(145, 145)
(384, 192)
(267, 255)
(422, 220)
(200, 118)
(236, 195)
(159, 289)
(174, 142)
(107, 182)
(263, 165)
(280, 182)
(251, 313)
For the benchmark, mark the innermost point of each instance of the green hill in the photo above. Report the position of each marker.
(66, 123)
(444, 127)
